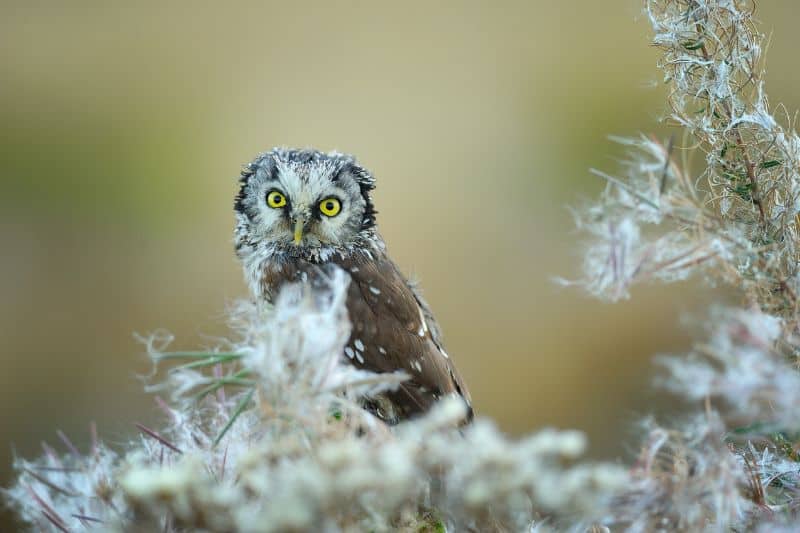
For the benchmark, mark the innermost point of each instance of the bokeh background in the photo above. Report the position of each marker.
(123, 127)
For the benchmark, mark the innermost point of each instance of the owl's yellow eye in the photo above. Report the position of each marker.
(330, 207)
(275, 199)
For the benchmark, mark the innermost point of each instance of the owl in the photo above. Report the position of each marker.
(299, 212)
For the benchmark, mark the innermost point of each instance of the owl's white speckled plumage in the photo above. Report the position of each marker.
(301, 212)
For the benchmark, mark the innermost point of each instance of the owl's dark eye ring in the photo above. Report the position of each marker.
(330, 207)
(276, 199)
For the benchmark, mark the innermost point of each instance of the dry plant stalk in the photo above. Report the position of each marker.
(733, 464)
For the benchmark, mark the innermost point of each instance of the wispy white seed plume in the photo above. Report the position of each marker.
(267, 434)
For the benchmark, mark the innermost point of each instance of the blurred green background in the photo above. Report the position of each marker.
(124, 127)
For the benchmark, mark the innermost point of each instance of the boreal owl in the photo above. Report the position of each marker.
(299, 212)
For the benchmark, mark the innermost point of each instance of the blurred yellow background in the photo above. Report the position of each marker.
(124, 127)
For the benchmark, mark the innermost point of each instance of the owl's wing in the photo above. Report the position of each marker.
(436, 335)
(394, 329)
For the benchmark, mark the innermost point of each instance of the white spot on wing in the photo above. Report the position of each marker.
(374, 290)
(423, 326)
(416, 365)
(441, 350)
(360, 357)
(382, 350)
(359, 345)
(349, 352)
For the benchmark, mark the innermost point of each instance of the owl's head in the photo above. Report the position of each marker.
(303, 203)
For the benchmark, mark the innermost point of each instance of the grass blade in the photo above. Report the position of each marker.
(238, 411)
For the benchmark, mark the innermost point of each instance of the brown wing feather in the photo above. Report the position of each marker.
(388, 316)
(393, 329)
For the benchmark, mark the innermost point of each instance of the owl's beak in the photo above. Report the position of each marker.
(298, 230)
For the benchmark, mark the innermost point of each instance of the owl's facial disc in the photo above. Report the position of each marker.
(302, 216)
(301, 201)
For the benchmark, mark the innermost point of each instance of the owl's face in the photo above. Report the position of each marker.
(301, 202)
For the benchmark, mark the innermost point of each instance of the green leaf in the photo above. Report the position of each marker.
(211, 361)
(195, 355)
(772, 163)
(235, 380)
(754, 428)
(240, 408)
(743, 190)
(693, 45)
